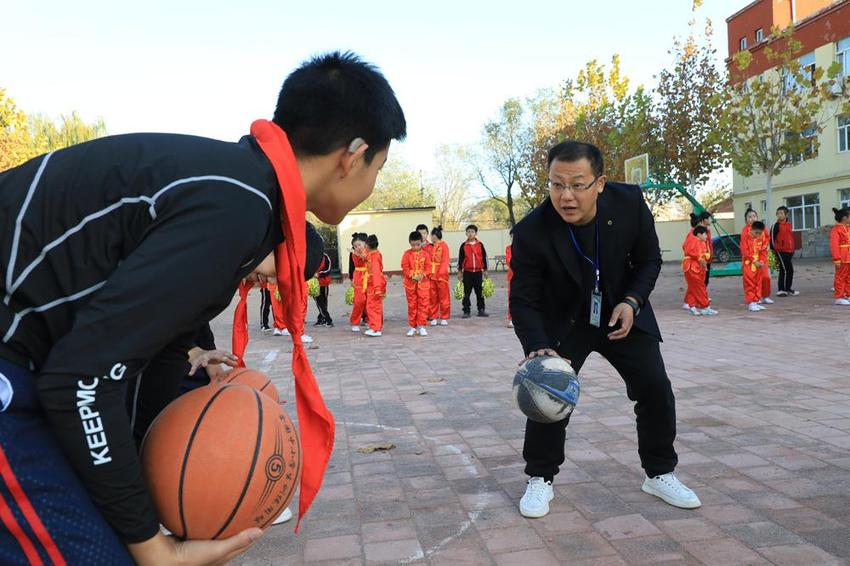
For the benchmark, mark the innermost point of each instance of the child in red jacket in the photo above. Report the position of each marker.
(782, 243)
(376, 287)
(754, 262)
(471, 266)
(694, 266)
(751, 216)
(324, 277)
(417, 286)
(440, 302)
(839, 247)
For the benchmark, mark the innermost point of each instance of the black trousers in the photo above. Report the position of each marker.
(472, 281)
(322, 304)
(707, 274)
(265, 307)
(637, 358)
(786, 270)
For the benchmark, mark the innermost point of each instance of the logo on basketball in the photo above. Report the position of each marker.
(274, 467)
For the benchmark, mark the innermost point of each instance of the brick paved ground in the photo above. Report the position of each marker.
(764, 439)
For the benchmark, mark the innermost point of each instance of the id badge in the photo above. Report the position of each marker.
(596, 309)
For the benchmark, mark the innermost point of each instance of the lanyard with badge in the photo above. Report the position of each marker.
(596, 294)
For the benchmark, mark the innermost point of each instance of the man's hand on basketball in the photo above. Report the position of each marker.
(625, 315)
(161, 550)
(543, 352)
(203, 358)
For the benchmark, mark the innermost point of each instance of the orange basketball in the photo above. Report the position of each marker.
(221, 459)
(252, 378)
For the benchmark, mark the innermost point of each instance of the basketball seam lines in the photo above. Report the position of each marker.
(253, 463)
(186, 460)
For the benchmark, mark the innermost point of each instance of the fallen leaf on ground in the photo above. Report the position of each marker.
(382, 447)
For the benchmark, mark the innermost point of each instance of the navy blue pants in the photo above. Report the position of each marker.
(46, 514)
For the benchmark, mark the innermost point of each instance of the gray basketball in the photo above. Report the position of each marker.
(546, 389)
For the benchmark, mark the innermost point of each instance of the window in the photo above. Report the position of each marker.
(743, 43)
(759, 35)
(807, 70)
(809, 150)
(805, 211)
(763, 208)
(842, 55)
(844, 198)
(844, 133)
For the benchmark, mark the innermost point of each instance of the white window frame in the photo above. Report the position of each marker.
(843, 128)
(842, 55)
(811, 132)
(843, 198)
(797, 213)
(742, 43)
(759, 35)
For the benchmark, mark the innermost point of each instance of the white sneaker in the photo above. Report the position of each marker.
(373, 333)
(265, 330)
(285, 332)
(842, 302)
(670, 489)
(793, 293)
(510, 324)
(535, 502)
(355, 329)
(411, 332)
(686, 306)
(694, 311)
(284, 517)
(306, 339)
(277, 332)
(707, 311)
(422, 331)
(444, 322)
(433, 322)
(755, 307)
(782, 293)
(767, 301)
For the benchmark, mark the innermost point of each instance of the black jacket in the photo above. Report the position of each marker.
(547, 292)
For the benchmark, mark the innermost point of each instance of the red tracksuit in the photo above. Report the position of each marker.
(839, 247)
(359, 283)
(277, 306)
(753, 250)
(414, 263)
(765, 271)
(510, 276)
(439, 303)
(695, 250)
(376, 288)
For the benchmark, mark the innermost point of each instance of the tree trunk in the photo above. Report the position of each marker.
(511, 218)
(768, 198)
(692, 185)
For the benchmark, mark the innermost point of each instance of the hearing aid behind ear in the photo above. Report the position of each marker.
(355, 144)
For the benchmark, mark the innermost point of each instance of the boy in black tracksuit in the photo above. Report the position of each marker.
(471, 266)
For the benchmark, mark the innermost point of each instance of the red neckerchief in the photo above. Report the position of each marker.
(315, 420)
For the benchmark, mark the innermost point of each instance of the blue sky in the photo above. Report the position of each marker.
(210, 68)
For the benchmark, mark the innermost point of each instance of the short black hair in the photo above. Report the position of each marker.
(334, 98)
(841, 213)
(570, 151)
(438, 231)
(372, 241)
(421, 227)
(472, 227)
(757, 225)
(784, 209)
(700, 230)
(415, 236)
(358, 237)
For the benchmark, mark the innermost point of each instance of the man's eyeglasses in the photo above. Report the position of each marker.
(575, 187)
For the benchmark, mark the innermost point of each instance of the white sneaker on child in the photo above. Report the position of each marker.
(411, 332)
(694, 311)
(433, 322)
(285, 332)
(842, 302)
(708, 311)
(755, 307)
(444, 322)
(306, 339)
(767, 301)
(422, 331)
(283, 517)
(277, 332)
(670, 489)
(355, 329)
(686, 306)
(373, 333)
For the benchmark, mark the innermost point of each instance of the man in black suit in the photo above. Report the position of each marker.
(584, 264)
